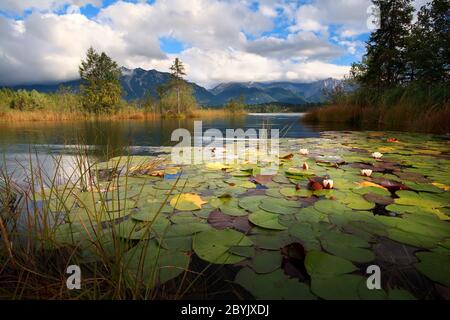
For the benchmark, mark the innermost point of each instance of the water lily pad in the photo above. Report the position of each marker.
(265, 261)
(292, 192)
(321, 264)
(411, 198)
(187, 202)
(337, 287)
(213, 246)
(273, 286)
(275, 240)
(250, 203)
(266, 220)
(276, 208)
(310, 214)
(435, 266)
(330, 207)
(148, 265)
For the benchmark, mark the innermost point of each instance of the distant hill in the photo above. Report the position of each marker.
(138, 82)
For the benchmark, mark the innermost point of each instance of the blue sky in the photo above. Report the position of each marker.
(219, 40)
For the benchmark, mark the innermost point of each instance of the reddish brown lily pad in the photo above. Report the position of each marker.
(219, 220)
(379, 199)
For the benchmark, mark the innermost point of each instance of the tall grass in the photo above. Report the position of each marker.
(34, 254)
(411, 108)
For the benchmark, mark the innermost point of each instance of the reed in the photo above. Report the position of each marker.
(412, 108)
(128, 114)
(34, 255)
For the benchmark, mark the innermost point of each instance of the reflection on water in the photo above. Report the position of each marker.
(105, 139)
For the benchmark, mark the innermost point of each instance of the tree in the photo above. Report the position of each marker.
(429, 44)
(386, 49)
(100, 89)
(177, 79)
(236, 105)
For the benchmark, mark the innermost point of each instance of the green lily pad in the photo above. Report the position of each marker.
(330, 207)
(321, 264)
(337, 287)
(148, 265)
(266, 220)
(250, 203)
(273, 286)
(213, 245)
(266, 261)
(435, 266)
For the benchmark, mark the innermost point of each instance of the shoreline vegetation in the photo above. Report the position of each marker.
(398, 109)
(100, 98)
(403, 81)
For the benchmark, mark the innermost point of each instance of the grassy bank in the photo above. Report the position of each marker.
(66, 106)
(130, 113)
(413, 108)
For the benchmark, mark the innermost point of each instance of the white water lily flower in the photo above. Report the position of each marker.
(377, 155)
(328, 184)
(305, 166)
(304, 152)
(366, 172)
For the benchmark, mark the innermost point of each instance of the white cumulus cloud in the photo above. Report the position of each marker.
(222, 40)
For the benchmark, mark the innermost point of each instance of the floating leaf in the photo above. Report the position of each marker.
(266, 220)
(435, 266)
(320, 264)
(266, 261)
(187, 202)
(148, 265)
(273, 286)
(213, 246)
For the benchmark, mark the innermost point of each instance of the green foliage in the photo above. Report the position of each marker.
(385, 59)
(101, 90)
(236, 105)
(401, 52)
(22, 100)
(27, 101)
(178, 99)
(403, 80)
(177, 84)
(428, 49)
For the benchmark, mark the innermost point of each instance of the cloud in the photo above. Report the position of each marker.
(223, 40)
(349, 15)
(302, 45)
(212, 67)
(201, 23)
(49, 47)
(18, 7)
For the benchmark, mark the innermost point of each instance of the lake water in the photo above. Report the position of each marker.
(105, 139)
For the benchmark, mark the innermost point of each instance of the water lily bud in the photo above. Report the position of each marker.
(328, 184)
(377, 155)
(305, 166)
(315, 186)
(304, 152)
(366, 172)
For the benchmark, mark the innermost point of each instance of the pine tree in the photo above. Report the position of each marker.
(177, 76)
(429, 44)
(100, 89)
(386, 49)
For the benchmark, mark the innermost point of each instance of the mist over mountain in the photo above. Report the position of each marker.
(139, 83)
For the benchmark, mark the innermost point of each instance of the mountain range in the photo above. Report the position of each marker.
(137, 83)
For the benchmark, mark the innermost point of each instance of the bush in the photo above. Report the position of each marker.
(28, 101)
